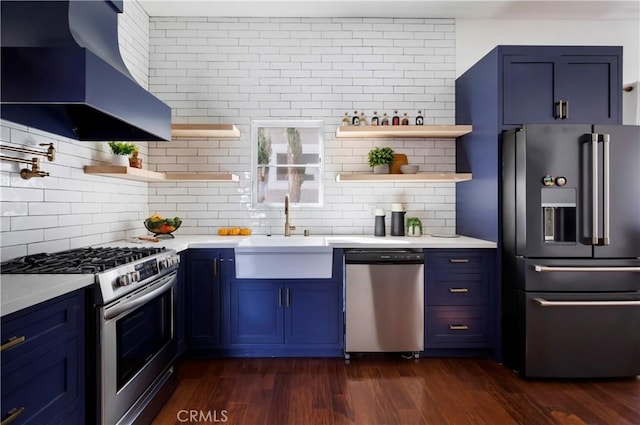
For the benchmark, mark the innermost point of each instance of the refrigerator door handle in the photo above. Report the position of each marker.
(605, 191)
(543, 269)
(545, 303)
(594, 188)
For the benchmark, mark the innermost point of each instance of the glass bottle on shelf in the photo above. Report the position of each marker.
(419, 118)
(355, 120)
(396, 119)
(346, 120)
(405, 119)
(374, 119)
(363, 118)
(385, 119)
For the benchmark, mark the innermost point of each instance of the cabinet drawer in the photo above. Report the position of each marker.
(456, 327)
(456, 260)
(458, 289)
(35, 326)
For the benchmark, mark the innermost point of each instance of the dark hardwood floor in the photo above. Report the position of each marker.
(389, 390)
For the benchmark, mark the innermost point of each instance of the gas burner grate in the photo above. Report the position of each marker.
(77, 261)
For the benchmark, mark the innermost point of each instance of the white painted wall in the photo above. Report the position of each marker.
(475, 38)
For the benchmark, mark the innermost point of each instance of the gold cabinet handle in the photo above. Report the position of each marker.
(13, 415)
(13, 341)
(458, 327)
(458, 290)
(458, 260)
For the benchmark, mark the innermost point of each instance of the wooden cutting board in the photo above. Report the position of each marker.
(398, 160)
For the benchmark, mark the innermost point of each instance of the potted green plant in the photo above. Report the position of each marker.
(414, 226)
(380, 159)
(122, 151)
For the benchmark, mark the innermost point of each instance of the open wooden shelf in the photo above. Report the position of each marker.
(402, 131)
(130, 173)
(214, 131)
(404, 178)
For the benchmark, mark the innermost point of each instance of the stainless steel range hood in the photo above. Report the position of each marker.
(62, 72)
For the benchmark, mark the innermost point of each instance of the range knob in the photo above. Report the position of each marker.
(169, 261)
(128, 278)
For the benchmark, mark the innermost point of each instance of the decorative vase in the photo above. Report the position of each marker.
(120, 160)
(135, 161)
(414, 231)
(381, 169)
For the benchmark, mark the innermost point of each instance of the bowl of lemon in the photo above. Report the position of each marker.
(162, 227)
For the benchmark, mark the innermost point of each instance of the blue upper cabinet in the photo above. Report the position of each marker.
(562, 85)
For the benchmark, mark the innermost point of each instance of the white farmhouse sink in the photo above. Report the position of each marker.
(279, 257)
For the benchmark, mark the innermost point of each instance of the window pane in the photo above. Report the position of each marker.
(287, 158)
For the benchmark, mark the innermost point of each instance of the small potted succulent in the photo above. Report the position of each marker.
(122, 151)
(380, 159)
(414, 226)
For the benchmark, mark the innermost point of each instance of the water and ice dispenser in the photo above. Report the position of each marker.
(559, 214)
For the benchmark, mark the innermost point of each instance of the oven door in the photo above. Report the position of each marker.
(581, 335)
(137, 348)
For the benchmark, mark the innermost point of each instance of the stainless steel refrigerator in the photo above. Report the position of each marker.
(571, 250)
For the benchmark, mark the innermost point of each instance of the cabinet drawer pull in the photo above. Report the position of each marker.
(215, 267)
(458, 260)
(458, 290)
(458, 327)
(13, 415)
(279, 297)
(13, 341)
(288, 297)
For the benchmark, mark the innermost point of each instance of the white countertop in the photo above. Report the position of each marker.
(22, 290)
(182, 242)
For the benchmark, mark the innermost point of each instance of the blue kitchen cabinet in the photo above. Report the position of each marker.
(460, 301)
(257, 314)
(286, 317)
(43, 362)
(205, 272)
(561, 85)
(297, 312)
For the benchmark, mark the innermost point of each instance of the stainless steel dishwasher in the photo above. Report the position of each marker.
(384, 300)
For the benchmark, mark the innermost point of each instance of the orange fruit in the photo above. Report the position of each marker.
(223, 231)
(234, 231)
(245, 231)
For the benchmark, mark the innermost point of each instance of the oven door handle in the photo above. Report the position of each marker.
(141, 299)
(545, 303)
(540, 269)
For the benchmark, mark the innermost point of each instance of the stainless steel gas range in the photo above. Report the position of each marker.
(133, 314)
